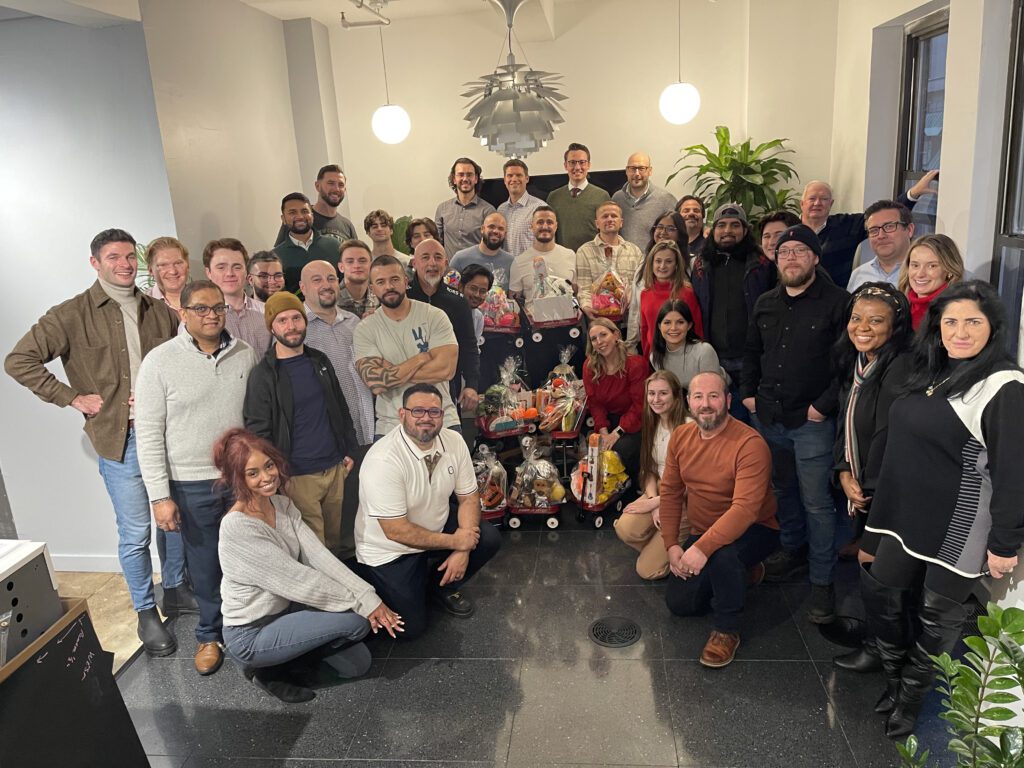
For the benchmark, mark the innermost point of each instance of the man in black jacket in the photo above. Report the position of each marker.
(792, 395)
(293, 399)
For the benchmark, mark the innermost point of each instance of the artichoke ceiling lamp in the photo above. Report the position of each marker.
(679, 102)
(514, 110)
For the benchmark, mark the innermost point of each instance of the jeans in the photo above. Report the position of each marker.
(201, 506)
(127, 492)
(403, 584)
(295, 633)
(734, 367)
(721, 584)
(801, 468)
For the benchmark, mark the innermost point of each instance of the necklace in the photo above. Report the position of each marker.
(931, 390)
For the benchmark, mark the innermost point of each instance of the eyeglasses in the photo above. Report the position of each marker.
(577, 163)
(419, 413)
(265, 276)
(202, 310)
(666, 228)
(637, 168)
(889, 227)
(797, 252)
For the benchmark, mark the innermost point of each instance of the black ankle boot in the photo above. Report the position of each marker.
(178, 600)
(154, 635)
(885, 608)
(864, 659)
(941, 622)
(277, 682)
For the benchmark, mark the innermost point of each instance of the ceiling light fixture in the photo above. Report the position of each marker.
(514, 110)
(390, 122)
(679, 102)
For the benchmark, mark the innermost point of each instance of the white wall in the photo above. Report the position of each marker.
(220, 78)
(79, 152)
(616, 57)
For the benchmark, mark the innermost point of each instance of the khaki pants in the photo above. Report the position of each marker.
(318, 498)
(640, 533)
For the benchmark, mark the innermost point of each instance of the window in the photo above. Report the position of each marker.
(924, 97)
(1008, 259)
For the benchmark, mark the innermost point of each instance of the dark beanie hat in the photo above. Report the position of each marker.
(802, 234)
(278, 303)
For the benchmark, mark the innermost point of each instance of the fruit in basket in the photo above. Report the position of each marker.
(531, 413)
(557, 494)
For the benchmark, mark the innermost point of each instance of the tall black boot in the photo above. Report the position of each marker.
(941, 622)
(863, 659)
(885, 608)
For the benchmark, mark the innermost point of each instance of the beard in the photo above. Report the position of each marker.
(333, 199)
(262, 294)
(709, 421)
(392, 299)
(795, 281)
(291, 343)
(300, 227)
(494, 243)
(327, 299)
(423, 434)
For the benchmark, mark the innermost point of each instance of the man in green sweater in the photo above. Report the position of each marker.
(303, 244)
(577, 203)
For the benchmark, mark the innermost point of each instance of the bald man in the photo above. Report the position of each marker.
(841, 233)
(642, 203)
(489, 252)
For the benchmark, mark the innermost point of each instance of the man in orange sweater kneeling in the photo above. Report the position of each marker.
(717, 483)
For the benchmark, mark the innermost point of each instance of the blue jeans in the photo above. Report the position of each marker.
(801, 468)
(201, 506)
(295, 633)
(127, 492)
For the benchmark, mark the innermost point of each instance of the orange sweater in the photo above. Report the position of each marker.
(723, 485)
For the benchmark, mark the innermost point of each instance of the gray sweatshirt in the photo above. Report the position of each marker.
(184, 400)
(266, 569)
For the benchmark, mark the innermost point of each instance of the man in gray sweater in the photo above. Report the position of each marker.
(190, 390)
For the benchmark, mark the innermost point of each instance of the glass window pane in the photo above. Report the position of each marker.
(929, 95)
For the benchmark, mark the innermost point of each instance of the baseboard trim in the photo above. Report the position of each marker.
(91, 563)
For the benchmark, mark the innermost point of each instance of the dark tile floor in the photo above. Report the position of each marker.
(520, 685)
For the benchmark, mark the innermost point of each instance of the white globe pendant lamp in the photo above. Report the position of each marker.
(390, 123)
(679, 103)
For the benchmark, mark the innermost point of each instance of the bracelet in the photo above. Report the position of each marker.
(154, 502)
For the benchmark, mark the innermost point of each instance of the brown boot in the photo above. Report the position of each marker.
(209, 657)
(720, 649)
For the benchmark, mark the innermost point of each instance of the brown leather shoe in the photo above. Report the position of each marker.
(720, 649)
(755, 575)
(209, 657)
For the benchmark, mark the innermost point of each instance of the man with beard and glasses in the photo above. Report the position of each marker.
(412, 544)
(789, 389)
(226, 262)
(330, 193)
(266, 275)
(692, 210)
(294, 400)
(728, 276)
(489, 252)
(459, 219)
(717, 481)
(332, 329)
(303, 244)
(430, 263)
(404, 342)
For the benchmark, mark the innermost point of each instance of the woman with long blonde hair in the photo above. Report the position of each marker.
(933, 263)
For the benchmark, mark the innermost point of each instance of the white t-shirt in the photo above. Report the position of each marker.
(423, 329)
(407, 489)
(561, 262)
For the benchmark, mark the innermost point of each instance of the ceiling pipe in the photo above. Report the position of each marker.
(381, 21)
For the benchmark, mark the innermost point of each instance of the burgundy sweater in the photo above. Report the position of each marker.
(621, 394)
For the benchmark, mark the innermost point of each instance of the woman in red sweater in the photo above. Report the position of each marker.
(664, 278)
(933, 263)
(614, 381)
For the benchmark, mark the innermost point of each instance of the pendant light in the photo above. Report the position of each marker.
(390, 122)
(679, 102)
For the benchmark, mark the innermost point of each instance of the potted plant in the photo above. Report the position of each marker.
(753, 176)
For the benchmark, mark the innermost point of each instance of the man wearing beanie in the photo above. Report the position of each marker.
(788, 387)
(728, 274)
(293, 399)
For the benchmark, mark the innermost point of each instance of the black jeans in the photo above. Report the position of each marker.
(201, 506)
(403, 584)
(721, 584)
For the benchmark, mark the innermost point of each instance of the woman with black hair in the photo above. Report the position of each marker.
(669, 226)
(872, 363)
(676, 346)
(948, 501)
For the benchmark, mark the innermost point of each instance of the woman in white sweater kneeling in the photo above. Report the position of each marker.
(288, 603)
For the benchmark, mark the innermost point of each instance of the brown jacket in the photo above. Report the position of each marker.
(87, 334)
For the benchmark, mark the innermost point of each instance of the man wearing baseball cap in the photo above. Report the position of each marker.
(792, 395)
(293, 399)
(728, 276)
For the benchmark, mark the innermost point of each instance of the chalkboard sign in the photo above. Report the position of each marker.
(62, 707)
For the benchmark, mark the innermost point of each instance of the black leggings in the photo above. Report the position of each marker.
(893, 567)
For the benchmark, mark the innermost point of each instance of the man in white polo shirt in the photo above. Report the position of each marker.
(410, 543)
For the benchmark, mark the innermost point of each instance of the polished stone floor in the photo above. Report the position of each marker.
(520, 685)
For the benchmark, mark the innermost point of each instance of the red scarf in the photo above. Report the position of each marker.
(919, 304)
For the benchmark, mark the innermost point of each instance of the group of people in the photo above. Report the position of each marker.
(755, 393)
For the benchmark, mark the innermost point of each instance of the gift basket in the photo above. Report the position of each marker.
(598, 481)
(562, 399)
(492, 483)
(552, 305)
(536, 489)
(501, 313)
(608, 296)
(500, 412)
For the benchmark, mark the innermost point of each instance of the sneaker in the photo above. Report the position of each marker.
(455, 603)
(784, 565)
(821, 608)
(755, 575)
(720, 649)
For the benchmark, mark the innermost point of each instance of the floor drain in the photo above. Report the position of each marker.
(614, 632)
